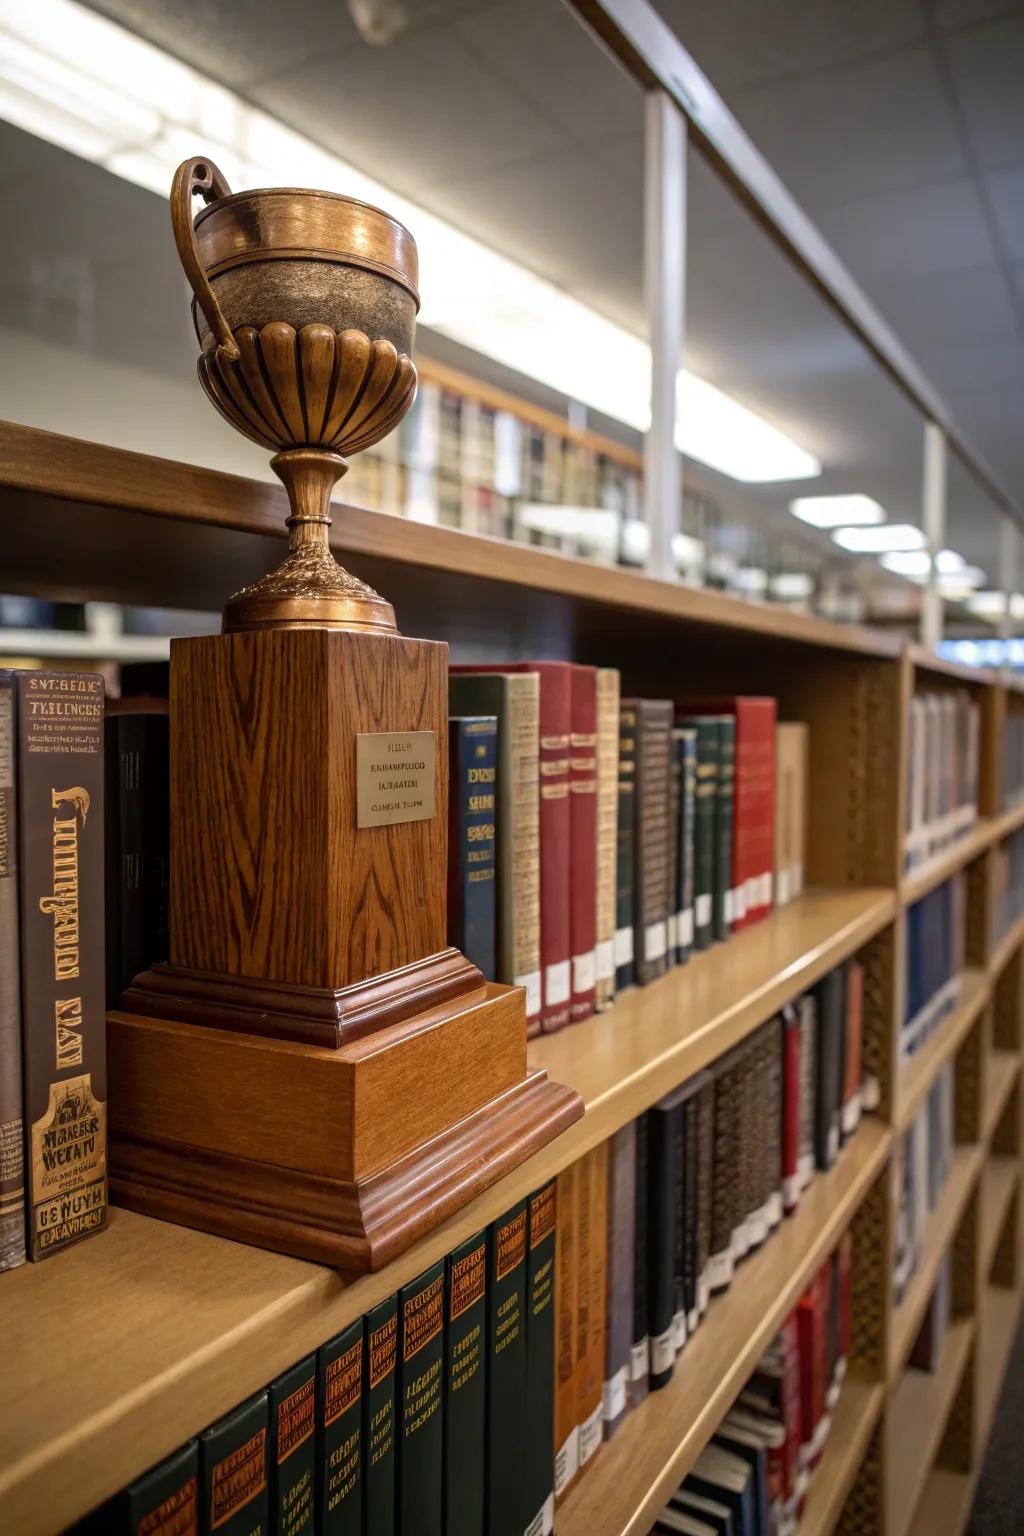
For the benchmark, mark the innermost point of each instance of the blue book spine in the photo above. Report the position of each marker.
(472, 807)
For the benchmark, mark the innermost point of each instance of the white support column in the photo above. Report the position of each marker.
(1008, 543)
(665, 287)
(933, 506)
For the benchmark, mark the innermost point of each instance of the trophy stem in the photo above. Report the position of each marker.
(309, 475)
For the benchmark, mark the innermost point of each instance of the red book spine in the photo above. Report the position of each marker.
(583, 839)
(790, 1109)
(555, 884)
(845, 1294)
(791, 1401)
(755, 804)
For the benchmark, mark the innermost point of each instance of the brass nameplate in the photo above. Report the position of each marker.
(396, 777)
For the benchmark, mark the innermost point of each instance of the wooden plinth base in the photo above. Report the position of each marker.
(345, 1156)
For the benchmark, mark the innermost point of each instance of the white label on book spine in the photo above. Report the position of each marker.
(851, 1114)
(840, 1370)
(782, 887)
(870, 1092)
(536, 1525)
(532, 985)
(614, 1395)
(703, 1291)
(639, 1360)
(655, 940)
(750, 888)
(739, 903)
(584, 972)
(623, 945)
(765, 889)
(673, 930)
(797, 877)
(692, 1320)
(791, 1186)
(757, 1227)
(741, 1240)
(591, 1433)
(557, 980)
(832, 1145)
(685, 928)
(678, 1330)
(727, 906)
(663, 1352)
(775, 1207)
(547, 1516)
(604, 960)
(567, 1461)
(703, 910)
(720, 1268)
(806, 1168)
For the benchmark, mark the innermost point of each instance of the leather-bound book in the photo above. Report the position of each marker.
(675, 801)
(607, 833)
(583, 839)
(853, 1034)
(566, 1443)
(651, 846)
(421, 1397)
(138, 829)
(555, 879)
(625, 849)
(705, 729)
(790, 1070)
(505, 1509)
(380, 1418)
(513, 698)
(591, 1277)
(233, 1472)
(340, 1369)
(807, 1008)
(539, 1424)
(705, 1184)
(465, 1400)
(12, 1143)
(684, 742)
(830, 997)
(621, 1242)
(749, 1231)
(691, 1200)
(61, 867)
(725, 1176)
(292, 1400)
(162, 1502)
(639, 1349)
(772, 1033)
(723, 892)
(664, 1151)
(472, 853)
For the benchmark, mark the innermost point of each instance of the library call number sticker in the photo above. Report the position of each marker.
(396, 776)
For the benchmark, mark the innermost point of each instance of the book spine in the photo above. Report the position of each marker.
(723, 894)
(12, 1142)
(566, 1435)
(686, 745)
(518, 789)
(472, 746)
(625, 848)
(762, 714)
(621, 1243)
(679, 1307)
(233, 1471)
(379, 1418)
(705, 1186)
(61, 858)
(691, 1215)
(420, 1396)
(583, 840)
(723, 1177)
(293, 1451)
(675, 802)
(662, 1154)
(592, 1238)
(704, 833)
(607, 813)
(651, 812)
(555, 880)
(854, 1025)
(539, 1423)
(464, 1394)
(138, 835)
(163, 1502)
(807, 1009)
(791, 1184)
(506, 1374)
(339, 1411)
(639, 1349)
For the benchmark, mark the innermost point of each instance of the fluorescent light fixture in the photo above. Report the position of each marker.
(992, 605)
(875, 541)
(837, 511)
(87, 85)
(791, 586)
(751, 579)
(588, 525)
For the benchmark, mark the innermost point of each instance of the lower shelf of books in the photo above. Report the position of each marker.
(918, 1411)
(857, 1413)
(631, 1479)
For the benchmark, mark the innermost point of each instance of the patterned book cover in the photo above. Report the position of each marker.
(791, 1182)
(651, 823)
(607, 830)
(625, 862)
(420, 1399)
(340, 1367)
(684, 740)
(583, 839)
(724, 1173)
(233, 1471)
(472, 858)
(706, 747)
(292, 1400)
(380, 1417)
(464, 1394)
(723, 896)
(12, 1138)
(664, 1151)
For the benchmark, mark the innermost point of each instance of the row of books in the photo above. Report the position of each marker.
(942, 771)
(752, 1479)
(936, 953)
(1009, 883)
(927, 1350)
(1011, 766)
(923, 1160)
(597, 841)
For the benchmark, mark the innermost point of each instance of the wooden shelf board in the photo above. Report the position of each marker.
(923, 1067)
(1007, 822)
(633, 1476)
(192, 1323)
(857, 1412)
(919, 1408)
(927, 661)
(1001, 1071)
(1000, 1178)
(941, 1229)
(947, 863)
(1005, 947)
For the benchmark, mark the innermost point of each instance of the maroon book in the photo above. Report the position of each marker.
(555, 884)
(583, 840)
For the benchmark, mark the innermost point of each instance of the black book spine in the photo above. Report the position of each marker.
(340, 1369)
(379, 1416)
(829, 1066)
(722, 915)
(625, 850)
(506, 1374)
(679, 1309)
(464, 1388)
(691, 1110)
(233, 1471)
(421, 1394)
(293, 1451)
(539, 1424)
(662, 1132)
(640, 1354)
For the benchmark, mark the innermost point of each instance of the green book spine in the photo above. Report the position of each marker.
(379, 1419)
(706, 727)
(233, 1470)
(722, 913)
(539, 1424)
(163, 1502)
(340, 1434)
(506, 1374)
(421, 1394)
(464, 1388)
(293, 1456)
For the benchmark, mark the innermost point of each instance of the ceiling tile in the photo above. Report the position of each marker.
(967, 13)
(911, 234)
(948, 308)
(977, 367)
(987, 66)
(1006, 194)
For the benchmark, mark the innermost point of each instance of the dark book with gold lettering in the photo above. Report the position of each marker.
(639, 1349)
(539, 1424)
(379, 1418)
(651, 901)
(472, 773)
(506, 1512)
(566, 1441)
(591, 1278)
(293, 1448)
(621, 1244)
(464, 1387)
(233, 1472)
(12, 1136)
(61, 858)
(705, 800)
(162, 1502)
(421, 1396)
(339, 1462)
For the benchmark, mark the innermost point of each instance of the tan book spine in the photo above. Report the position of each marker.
(12, 1143)
(591, 1324)
(523, 693)
(567, 1439)
(607, 830)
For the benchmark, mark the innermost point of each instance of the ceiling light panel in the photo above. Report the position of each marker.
(837, 511)
(877, 541)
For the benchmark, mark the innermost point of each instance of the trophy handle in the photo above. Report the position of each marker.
(200, 175)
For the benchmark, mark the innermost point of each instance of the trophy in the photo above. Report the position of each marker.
(314, 1069)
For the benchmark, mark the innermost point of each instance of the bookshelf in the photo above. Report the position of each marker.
(187, 1323)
